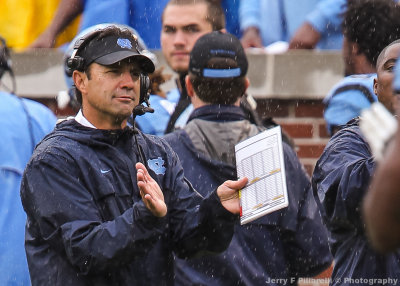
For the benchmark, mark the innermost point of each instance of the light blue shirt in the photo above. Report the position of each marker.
(278, 20)
(23, 123)
(342, 106)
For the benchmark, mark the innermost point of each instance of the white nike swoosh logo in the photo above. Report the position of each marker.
(105, 171)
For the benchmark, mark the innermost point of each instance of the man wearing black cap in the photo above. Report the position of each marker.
(275, 249)
(106, 204)
(183, 22)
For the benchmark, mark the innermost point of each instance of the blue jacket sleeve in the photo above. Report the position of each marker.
(249, 14)
(340, 179)
(327, 14)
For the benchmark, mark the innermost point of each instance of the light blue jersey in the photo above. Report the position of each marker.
(23, 123)
(278, 20)
(347, 98)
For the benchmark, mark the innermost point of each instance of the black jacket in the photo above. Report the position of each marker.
(275, 249)
(340, 181)
(87, 224)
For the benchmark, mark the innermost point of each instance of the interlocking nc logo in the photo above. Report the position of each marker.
(124, 43)
(157, 165)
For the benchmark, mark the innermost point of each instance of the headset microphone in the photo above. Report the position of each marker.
(141, 109)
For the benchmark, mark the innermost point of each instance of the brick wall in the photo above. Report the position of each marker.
(303, 121)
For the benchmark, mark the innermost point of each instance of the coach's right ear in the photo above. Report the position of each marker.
(80, 80)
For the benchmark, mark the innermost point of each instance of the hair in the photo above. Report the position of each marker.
(219, 90)
(98, 35)
(382, 53)
(215, 13)
(372, 24)
(4, 57)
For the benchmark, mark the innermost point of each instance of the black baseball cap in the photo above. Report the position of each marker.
(218, 45)
(114, 48)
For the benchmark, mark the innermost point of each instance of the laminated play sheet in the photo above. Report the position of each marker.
(260, 159)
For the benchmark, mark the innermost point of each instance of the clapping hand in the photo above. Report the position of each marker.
(150, 192)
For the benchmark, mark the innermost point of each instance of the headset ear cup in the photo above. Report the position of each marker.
(68, 67)
(144, 88)
(75, 63)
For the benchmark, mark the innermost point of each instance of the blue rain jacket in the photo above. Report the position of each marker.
(87, 224)
(340, 181)
(286, 244)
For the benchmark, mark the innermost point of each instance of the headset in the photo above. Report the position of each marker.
(75, 62)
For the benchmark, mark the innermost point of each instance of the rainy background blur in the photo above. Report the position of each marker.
(288, 85)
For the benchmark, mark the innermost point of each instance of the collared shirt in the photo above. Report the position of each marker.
(80, 118)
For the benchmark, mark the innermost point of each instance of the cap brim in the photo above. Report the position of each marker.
(112, 58)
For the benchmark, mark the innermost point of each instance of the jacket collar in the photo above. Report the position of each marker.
(217, 112)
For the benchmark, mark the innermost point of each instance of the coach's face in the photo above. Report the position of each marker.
(182, 26)
(109, 93)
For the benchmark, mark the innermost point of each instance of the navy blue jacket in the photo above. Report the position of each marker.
(340, 181)
(87, 224)
(286, 244)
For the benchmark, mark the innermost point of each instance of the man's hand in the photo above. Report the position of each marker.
(150, 191)
(46, 40)
(251, 38)
(228, 193)
(305, 37)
